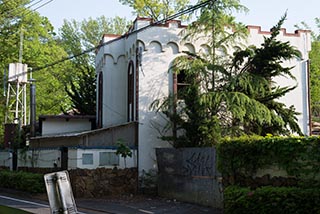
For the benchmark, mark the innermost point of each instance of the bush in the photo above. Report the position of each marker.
(29, 182)
(266, 200)
(298, 156)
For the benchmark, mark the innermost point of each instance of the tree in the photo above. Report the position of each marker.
(196, 121)
(155, 9)
(229, 95)
(39, 49)
(75, 37)
(124, 151)
(254, 77)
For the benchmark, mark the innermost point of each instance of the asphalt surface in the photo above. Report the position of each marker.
(27, 205)
(140, 204)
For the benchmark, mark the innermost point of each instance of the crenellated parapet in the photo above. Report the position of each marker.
(297, 33)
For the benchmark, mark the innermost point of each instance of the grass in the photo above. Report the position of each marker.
(7, 210)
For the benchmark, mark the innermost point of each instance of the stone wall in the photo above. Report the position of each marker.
(97, 183)
(102, 182)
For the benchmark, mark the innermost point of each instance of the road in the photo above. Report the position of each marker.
(35, 207)
(134, 205)
(26, 205)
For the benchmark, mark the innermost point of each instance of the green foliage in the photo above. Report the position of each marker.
(255, 69)
(195, 120)
(39, 49)
(314, 56)
(212, 21)
(79, 74)
(123, 150)
(4, 209)
(230, 95)
(298, 156)
(29, 182)
(266, 200)
(156, 9)
(315, 78)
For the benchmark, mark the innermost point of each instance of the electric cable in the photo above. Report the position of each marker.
(186, 11)
(12, 9)
(44, 4)
(21, 6)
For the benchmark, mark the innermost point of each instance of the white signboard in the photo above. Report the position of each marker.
(59, 192)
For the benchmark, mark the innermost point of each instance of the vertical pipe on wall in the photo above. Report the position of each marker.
(309, 97)
(32, 108)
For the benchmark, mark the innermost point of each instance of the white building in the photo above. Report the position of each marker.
(133, 71)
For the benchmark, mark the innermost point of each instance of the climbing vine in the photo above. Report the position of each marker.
(298, 156)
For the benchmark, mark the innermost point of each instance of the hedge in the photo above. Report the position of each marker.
(267, 200)
(29, 182)
(298, 156)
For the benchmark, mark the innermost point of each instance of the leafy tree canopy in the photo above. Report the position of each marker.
(26, 35)
(79, 73)
(156, 9)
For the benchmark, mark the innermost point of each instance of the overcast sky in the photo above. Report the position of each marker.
(262, 13)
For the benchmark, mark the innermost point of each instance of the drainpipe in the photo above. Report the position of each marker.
(309, 98)
(32, 108)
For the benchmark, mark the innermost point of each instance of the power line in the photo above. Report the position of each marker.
(188, 10)
(44, 4)
(26, 12)
(9, 11)
(34, 3)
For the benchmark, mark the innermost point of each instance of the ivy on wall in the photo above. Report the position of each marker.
(298, 156)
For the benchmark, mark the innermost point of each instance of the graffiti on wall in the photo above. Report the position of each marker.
(199, 163)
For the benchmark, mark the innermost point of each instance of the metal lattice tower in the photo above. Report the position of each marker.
(16, 104)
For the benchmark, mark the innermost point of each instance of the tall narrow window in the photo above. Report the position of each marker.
(130, 92)
(100, 99)
(179, 84)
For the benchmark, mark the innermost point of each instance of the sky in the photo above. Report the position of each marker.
(264, 13)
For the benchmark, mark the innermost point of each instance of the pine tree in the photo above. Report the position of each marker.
(255, 70)
(231, 95)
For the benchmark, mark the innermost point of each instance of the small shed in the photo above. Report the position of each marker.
(60, 124)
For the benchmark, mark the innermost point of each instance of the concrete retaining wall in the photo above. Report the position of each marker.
(190, 175)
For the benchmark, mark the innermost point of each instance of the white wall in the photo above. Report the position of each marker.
(36, 158)
(46, 158)
(130, 161)
(161, 45)
(153, 85)
(60, 126)
(299, 96)
(114, 92)
(114, 68)
(5, 158)
(39, 158)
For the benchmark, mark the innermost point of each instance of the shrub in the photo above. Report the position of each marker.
(298, 156)
(29, 182)
(266, 200)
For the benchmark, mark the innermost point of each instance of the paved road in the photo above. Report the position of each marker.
(134, 205)
(35, 207)
(26, 205)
